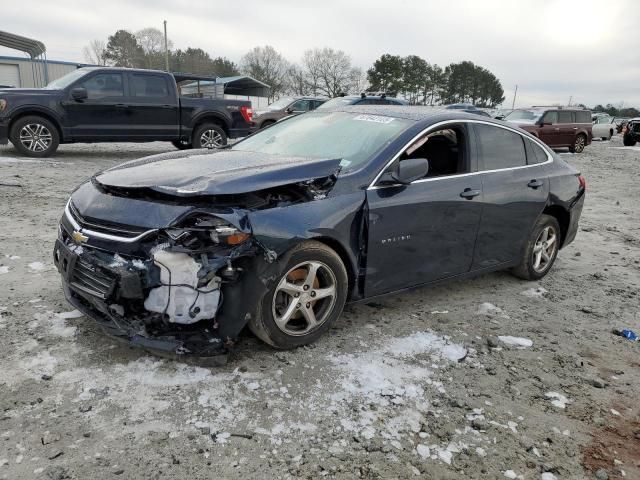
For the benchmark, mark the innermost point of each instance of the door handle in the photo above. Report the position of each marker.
(469, 193)
(121, 105)
(557, 129)
(575, 128)
(167, 106)
(535, 184)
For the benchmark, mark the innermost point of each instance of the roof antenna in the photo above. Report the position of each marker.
(363, 95)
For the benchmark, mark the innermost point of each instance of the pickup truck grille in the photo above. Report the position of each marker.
(126, 231)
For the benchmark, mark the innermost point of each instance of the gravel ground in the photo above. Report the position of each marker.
(425, 384)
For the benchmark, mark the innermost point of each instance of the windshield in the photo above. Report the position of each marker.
(280, 103)
(335, 102)
(353, 138)
(524, 116)
(68, 79)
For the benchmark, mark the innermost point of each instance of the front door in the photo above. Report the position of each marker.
(425, 231)
(104, 114)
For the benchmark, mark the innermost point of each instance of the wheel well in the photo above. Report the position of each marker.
(215, 120)
(37, 114)
(563, 218)
(342, 253)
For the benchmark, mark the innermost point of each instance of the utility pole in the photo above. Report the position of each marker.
(513, 104)
(570, 98)
(166, 47)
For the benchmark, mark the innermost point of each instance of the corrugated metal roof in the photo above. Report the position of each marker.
(33, 47)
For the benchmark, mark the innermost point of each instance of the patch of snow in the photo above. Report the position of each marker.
(487, 308)
(4, 269)
(70, 315)
(37, 266)
(548, 476)
(423, 451)
(511, 474)
(557, 399)
(481, 452)
(519, 342)
(12, 257)
(439, 312)
(537, 292)
(615, 412)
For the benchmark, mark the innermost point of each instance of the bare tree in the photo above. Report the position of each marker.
(152, 42)
(94, 52)
(329, 72)
(268, 66)
(297, 81)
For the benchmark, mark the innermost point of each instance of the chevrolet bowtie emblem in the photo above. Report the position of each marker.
(78, 237)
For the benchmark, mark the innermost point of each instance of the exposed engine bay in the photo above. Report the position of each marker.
(164, 288)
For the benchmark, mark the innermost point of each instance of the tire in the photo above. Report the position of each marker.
(181, 144)
(266, 123)
(283, 320)
(209, 135)
(628, 141)
(34, 136)
(578, 144)
(533, 265)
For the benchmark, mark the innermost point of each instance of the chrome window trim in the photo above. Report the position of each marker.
(103, 236)
(373, 185)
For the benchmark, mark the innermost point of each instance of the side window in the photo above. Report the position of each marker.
(500, 148)
(149, 86)
(445, 149)
(104, 85)
(300, 106)
(585, 117)
(535, 153)
(551, 117)
(315, 104)
(565, 117)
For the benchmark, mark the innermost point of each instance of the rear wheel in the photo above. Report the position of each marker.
(578, 144)
(34, 136)
(305, 300)
(541, 250)
(628, 141)
(209, 135)
(266, 124)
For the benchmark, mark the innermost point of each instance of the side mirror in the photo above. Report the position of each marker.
(408, 171)
(288, 110)
(79, 94)
(544, 123)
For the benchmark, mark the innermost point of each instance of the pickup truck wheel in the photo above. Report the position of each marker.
(181, 144)
(209, 135)
(628, 141)
(34, 136)
(578, 144)
(303, 302)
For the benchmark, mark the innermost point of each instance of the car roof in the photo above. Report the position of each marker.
(415, 113)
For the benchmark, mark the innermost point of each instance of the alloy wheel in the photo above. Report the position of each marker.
(211, 139)
(579, 145)
(304, 298)
(545, 249)
(35, 137)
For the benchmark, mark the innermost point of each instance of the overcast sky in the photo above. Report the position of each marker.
(551, 49)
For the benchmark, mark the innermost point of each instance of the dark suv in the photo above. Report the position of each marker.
(556, 126)
(363, 99)
(284, 107)
(631, 132)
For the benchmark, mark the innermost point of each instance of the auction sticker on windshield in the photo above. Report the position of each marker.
(374, 118)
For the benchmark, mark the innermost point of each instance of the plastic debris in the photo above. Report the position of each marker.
(628, 334)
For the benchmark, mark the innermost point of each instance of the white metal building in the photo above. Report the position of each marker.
(27, 73)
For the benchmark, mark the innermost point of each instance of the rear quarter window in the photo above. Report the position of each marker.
(535, 153)
(565, 117)
(584, 117)
(500, 148)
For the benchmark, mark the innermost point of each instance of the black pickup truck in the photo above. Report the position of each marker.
(106, 104)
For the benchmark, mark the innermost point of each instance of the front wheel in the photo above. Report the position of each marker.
(34, 136)
(578, 144)
(209, 135)
(628, 141)
(541, 250)
(305, 300)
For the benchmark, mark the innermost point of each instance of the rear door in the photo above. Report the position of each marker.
(567, 127)
(515, 189)
(103, 115)
(153, 107)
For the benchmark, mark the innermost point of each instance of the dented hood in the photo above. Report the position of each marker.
(223, 172)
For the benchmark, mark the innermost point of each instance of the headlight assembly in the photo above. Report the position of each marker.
(199, 232)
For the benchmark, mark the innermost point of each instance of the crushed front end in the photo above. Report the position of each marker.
(157, 288)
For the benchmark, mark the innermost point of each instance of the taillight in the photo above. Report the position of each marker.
(583, 182)
(247, 114)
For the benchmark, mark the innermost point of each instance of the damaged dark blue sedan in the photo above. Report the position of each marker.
(178, 252)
